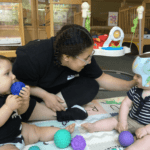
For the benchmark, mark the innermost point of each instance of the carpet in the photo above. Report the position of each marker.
(97, 109)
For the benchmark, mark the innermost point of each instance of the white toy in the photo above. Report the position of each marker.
(115, 34)
(140, 10)
(85, 12)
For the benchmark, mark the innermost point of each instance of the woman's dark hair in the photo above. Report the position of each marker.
(71, 40)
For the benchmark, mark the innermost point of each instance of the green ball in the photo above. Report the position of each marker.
(62, 138)
(34, 148)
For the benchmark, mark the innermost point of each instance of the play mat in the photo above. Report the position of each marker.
(97, 109)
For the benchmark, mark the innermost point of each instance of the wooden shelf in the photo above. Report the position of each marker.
(12, 31)
(8, 53)
(49, 20)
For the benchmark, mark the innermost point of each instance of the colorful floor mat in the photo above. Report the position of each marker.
(97, 109)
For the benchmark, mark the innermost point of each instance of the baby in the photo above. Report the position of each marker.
(136, 120)
(15, 134)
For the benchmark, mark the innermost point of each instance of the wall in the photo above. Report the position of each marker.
(101, 9)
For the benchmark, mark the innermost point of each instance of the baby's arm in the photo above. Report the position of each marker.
(25, 105)
(23, 108)
(5, 113)
(147, 127)
(124, 109)
(123, 113)
(25, 96)
(12, 103)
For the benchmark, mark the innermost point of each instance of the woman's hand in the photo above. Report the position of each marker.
(122, 126)
(141, 132)
(53, 102)
(14, 102)
(25, 93)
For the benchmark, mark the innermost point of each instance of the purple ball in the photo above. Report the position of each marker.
(78, 143)
(126, 138)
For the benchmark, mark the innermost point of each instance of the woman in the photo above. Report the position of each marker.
(62, 72)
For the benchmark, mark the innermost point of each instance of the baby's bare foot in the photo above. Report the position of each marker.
(89, 127)
(70, 128)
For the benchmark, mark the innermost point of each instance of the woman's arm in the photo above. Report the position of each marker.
(111, 83)
(38, 92)
(5, 113)
(52, 101)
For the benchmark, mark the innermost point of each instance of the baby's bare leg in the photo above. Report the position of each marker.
(9, 147)
(140, 144)
(101, 125)
(32, 134)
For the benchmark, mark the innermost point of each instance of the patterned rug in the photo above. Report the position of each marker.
(97, 109)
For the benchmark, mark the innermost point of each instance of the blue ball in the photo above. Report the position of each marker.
(126, 138)
(62, 138)
(16, 87)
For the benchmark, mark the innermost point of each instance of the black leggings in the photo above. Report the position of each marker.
(80, 91)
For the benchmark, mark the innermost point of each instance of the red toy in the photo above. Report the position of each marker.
(98, 42)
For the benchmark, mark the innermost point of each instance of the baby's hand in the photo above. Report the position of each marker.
(141, 132)
(25, 93)
(122, 126)
(14, 102)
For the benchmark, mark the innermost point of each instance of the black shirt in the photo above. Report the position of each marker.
(11, 129)
(35, 66)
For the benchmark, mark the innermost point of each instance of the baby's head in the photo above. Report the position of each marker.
(7, 78)
(141, 68)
